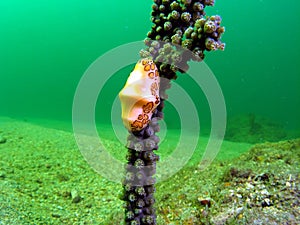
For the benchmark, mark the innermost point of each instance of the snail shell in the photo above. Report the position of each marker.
(140, 95)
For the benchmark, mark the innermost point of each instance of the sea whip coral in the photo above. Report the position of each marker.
(181, 32)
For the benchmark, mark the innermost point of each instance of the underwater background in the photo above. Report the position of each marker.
(46, 47)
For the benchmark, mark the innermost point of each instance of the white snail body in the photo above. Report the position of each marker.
(140, 95)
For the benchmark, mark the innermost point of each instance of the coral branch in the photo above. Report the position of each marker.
(181, 32)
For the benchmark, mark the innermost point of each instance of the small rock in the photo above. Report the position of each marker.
(2, 140)
(55, 215)
(39, 181)
(231, 193)
(239, 196)
(239, 211)
(89, 205)
(48, 166)
(234, 172)
(262, 177)
(266, 202)
(2, 175)
(205, 202)
(75, 196)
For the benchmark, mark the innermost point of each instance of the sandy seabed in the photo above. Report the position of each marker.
(44, 179)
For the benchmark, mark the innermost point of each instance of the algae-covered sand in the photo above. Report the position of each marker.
(45, 180)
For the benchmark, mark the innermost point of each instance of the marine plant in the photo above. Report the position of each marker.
(181, 32)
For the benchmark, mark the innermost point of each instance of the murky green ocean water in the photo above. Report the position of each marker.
(46, 46)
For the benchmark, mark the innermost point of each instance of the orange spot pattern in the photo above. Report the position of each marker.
(148, 107)
(154, 88)
(152, 72)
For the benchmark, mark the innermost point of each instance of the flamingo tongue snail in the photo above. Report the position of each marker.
(140, 95)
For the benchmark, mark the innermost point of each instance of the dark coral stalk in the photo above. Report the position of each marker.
(181, 32)
(139, 181)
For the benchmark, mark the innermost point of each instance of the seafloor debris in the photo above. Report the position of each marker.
(259, 187)
(2, 140)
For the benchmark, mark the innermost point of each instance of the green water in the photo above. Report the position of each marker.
(46, 46)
